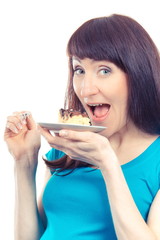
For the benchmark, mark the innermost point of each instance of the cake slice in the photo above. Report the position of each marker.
(73, 117)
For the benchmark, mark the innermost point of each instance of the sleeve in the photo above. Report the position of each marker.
(54, 154)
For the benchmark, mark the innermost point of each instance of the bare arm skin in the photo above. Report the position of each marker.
(23, 141)
(154, 216)
(129, 224)
(28, 224)
(96, 150)
(40, 206)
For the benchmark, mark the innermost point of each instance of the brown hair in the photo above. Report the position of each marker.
(124, 42)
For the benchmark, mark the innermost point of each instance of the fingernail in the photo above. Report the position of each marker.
(63, 133)
(19, 126)
(15, 130)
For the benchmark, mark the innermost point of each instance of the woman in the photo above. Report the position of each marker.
(101, 186)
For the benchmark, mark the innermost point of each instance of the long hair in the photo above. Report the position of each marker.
(124, 42)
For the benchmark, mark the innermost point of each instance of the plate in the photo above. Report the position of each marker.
(56, 127)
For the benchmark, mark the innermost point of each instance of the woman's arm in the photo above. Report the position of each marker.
(154, 216)
(23, 141)
(128, 222)
(40, 205)
(96, 150)
(28, 224)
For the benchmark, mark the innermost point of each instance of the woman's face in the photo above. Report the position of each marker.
(103, 91)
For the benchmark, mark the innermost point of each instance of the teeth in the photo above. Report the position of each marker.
(94, 105)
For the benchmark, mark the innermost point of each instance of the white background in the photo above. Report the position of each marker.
(33, 66)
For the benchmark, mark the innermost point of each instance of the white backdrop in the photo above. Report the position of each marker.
(33, 66)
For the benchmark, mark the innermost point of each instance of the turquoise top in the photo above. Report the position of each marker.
(77, 207)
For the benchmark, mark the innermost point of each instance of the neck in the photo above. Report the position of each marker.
(130, 142)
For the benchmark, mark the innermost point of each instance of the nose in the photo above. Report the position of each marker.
(88, 87)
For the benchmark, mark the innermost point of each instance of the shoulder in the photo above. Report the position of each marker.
(54, 154)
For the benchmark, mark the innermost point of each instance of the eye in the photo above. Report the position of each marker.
(105, 71)
(78, 71)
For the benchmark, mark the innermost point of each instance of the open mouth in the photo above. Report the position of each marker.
(99, 110)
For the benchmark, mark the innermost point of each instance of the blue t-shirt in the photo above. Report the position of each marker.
(77, 207)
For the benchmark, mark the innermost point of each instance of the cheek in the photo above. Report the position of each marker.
(77, 88)
(122, 102)
(121, 92)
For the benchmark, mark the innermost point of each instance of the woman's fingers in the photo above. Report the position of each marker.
(22, 116)
(31, 124)
(12, 127)
(63, 134)
(19, 122)
(15, 122)
(54, 141)
(77, 136)
(67, 136)
(47, 135)
(19, 119)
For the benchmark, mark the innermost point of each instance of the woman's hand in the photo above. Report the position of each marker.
(88, 147)
(22, 137)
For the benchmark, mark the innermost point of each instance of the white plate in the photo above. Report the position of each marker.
(56, 127)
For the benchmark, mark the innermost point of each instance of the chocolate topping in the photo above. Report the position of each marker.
(66, 113)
